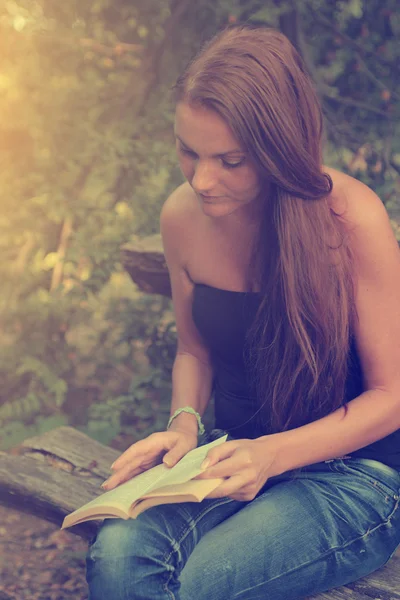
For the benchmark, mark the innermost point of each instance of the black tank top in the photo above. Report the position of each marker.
(223, 318)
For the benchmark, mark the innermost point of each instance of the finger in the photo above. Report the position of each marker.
(120, 477)
(226, 467)
(219, 453)
(154, 443)
(175, 454)
(133, 452)
(233, 487)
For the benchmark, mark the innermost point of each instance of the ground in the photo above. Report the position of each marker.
(38, 561)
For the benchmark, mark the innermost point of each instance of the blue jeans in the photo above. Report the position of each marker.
(306, 532)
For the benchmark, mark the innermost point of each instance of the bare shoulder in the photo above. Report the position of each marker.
(178, 217)
(356, 203)
(179, 203)
(367, 221)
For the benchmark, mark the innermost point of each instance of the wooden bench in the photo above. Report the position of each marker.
(55, 473)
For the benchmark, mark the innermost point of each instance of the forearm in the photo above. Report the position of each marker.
(191, 386)
(370, 417)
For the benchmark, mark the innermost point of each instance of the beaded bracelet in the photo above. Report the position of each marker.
(190, 410)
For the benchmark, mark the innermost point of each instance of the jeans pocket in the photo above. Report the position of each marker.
(376, 475)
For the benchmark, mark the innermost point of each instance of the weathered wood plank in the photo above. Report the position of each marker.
(84, 454)
(381, 585)
(39, 489)
(143, 259)
(53, 474)
(343, 593)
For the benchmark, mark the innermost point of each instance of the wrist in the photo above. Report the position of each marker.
(273, 447)
(185, 422)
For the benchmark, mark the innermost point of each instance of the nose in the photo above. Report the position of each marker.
(204, 178)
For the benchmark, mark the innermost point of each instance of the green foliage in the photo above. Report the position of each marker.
(15, 431)
(87, 159)
(354, 55)
(140, 412)
(44, 386)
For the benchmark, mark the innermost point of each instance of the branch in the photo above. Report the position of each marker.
(290, 24)
(356, 104)
(23, 254)
(114, 50)
(377, 81)
(361, 49)
(249, 11)
(66, 230)
(58, 270)
(153, 64)
(394, 166)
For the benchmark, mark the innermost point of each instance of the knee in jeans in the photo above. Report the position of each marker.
(118, 538)
(208, 570)
(120, 558)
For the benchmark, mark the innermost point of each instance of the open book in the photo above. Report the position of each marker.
(159, 485)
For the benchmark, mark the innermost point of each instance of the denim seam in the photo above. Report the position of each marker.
(166, 588)
(374, 482)
(331, 550)
(182, 535)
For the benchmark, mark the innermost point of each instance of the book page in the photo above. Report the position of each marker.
(126, 494)
(123, 496)
(188, 467)
(197, 488)
(191, 491)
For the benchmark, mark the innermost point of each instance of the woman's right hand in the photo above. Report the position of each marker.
(164, 446)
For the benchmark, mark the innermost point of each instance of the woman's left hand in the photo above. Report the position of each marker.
(245, 466)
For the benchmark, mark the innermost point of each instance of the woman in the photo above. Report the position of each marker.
(286, 289)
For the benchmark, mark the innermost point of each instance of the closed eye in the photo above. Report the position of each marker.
(227, 164)
(187, 152)
(232, 165)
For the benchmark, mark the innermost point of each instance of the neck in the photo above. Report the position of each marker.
(243, 222)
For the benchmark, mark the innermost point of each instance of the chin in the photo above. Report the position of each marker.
(215, 209)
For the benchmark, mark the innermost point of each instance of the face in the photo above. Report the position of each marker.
(213, 162)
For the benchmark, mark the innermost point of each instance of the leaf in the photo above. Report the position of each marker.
(48, 423)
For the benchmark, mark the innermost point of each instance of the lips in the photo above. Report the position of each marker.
(210, 198)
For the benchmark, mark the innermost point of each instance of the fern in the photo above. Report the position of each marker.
(46, 391)
(55, 386)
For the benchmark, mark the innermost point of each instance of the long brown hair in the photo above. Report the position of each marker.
(299, 343)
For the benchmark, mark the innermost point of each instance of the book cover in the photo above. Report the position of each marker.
(158, 485)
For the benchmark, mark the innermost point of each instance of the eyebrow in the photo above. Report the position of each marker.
(221, 155)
